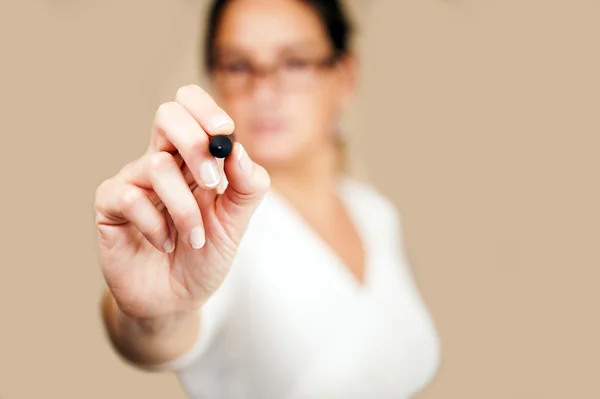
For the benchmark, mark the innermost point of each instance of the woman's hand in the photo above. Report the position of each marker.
(166, 238)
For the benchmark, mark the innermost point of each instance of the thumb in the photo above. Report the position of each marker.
(248, 182)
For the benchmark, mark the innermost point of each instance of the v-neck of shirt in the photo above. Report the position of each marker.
(340, 268)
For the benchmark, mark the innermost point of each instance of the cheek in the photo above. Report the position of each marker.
(313, 116)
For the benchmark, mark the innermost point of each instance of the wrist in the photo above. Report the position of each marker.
(152, 340)
(126, 324)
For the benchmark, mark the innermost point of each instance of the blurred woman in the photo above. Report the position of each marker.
(281, 277)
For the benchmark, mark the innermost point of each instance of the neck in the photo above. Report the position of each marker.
(309, 181)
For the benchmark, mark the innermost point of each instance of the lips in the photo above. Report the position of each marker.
(267, 126)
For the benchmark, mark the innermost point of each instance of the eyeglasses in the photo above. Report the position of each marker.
(292, 73)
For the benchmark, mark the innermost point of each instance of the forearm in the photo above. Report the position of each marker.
(149, 342)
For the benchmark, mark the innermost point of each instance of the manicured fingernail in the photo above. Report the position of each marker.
(209, 173)
(197, 238)
(169, 246)
(222, 124)
(244, 160)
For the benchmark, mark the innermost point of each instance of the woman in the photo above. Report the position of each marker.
(288, 282)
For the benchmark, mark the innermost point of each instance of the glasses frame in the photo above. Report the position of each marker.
(259, 71)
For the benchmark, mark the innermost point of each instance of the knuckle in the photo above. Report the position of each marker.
(165, 111)
(103, 192)
(100, 190)
(161, 160)
(129, 198)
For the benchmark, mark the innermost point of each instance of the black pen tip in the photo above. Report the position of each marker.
(220, 146)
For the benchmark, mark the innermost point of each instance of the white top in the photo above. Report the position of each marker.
(290, 321)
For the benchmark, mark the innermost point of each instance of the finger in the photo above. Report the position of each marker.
(118, 202)
(203, 108)
(161, 173)
(204, 198)
(248, 182)
(182, 131)
(136, 207)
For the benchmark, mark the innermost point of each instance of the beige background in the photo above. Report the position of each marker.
(480, 119)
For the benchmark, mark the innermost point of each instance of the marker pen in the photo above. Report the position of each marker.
(220, 146)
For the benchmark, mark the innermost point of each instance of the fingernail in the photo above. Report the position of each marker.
(169, 246)
(244, 160)
(197, 238)
(209, 173)
(222, 124)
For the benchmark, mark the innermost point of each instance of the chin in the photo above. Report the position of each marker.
(271, 150)
(272, 157)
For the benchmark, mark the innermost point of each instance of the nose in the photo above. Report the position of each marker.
(264, 88)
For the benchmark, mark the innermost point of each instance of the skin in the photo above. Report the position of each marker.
(166, 239)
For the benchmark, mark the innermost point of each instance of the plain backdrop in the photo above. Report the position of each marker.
(479, 118)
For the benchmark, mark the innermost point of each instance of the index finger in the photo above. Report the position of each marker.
(213, 119)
